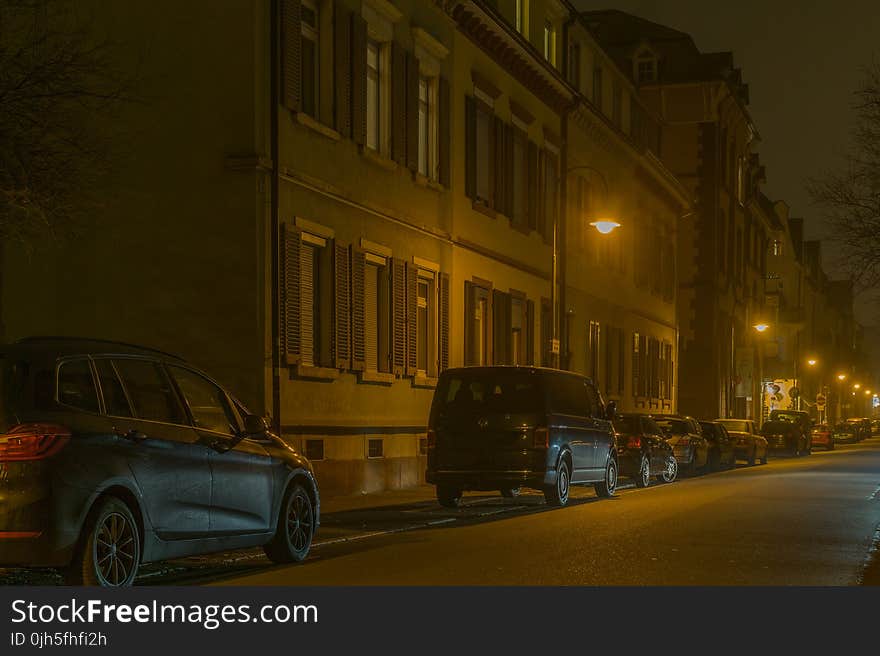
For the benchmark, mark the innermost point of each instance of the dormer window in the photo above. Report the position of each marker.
(646, 68)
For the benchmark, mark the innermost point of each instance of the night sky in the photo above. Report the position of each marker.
(801, 60)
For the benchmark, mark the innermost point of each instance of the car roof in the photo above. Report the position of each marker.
(57, 346)
(507, 368)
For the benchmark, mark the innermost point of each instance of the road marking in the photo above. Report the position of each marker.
(875, 494)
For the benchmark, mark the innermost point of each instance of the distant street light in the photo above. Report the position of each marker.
(605, 226)
(867, 392)
(856, 386)
(841, 377)
(812, 362)
(761, 327)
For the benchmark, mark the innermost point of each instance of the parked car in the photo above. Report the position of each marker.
(845, 432)
(799, 418)
(690, 447)
(822, 436)
(864, 425)
(498, 428)
(787, 436)
(114, 455)
(721, 445)
(643, 451)
(875, 427)
(749, 444)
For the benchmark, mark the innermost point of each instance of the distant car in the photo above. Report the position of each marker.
(722, 452)
(114, 455)
(845, 432)
(643, 451)
(799, 418)
(875, 427)
(685, 435)
(865, 424)
(750, 445)
(823, 436)
(498, 428)
(786, 436)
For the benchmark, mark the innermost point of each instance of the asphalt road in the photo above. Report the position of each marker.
(805, 521)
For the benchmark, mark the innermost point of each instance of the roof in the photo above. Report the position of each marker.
(62, 346)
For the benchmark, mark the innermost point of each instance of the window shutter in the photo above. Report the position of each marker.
(291, 54)
(540, 200)
(412, 112)
(341, 307)
(470, 160)
(501, 308)
(499, 166)
(412, 308)
(508, 171)
(530, 332)
(342, 68)
(358, 339)
(398, 316)
(533, 186)
(398, 103)
(444, 139)
(290, 300)
(443, 345)
(358, 79)
(470, 308)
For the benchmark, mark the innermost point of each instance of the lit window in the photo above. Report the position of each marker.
(375, 72)
(550, 42)
(428, 127)
(522, 16)
(310, 58)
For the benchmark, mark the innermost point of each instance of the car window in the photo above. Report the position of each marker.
(207, 403)
(593, 403)
(569, 396)
(150, 391)
(484, 391)
(736, 425)
(651, 426)
(115, 401)
(627, 425)
(674, 426)
(76, 386)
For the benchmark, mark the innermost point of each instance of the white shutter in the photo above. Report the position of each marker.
(307, 304)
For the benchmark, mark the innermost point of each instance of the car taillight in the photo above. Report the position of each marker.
(432, 438)
(542, 438)
(634, 442)
(32, 441)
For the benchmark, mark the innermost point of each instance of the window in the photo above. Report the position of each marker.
(377, 298)
(777, 247)
(428, 127)
(597, 87)
(550, 42)
(477, 316)
(518, 329)
(315, 449)
(375, 447)
(310, 60)
(76, 387)
(593, 350)
(115, 401)
(636, 364)
(208, 404)
(520, 183)
(376, 137)
(574, 65)
(425, 322)
(616, 105)
(423, 446)
(646, 69)
(522, 16)
(152, 397)
(485, 155)
(315, 300)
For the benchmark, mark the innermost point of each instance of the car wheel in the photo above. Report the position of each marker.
(669, 474)
(448, 497)
(557, 495)
(296, 528)
(643, 478)
(109, 549)
(753, 455)
(606, 487)
(509, 492)
(764, 457)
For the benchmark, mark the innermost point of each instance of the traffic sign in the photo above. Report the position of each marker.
(820, 399)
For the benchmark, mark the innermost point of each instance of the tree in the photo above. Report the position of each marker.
(59, 86)
(850, 197)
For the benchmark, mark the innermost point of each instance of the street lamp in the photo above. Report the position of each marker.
(812, 362)
(605, 226)
(841, 377)
(857, 386)
(761, 327)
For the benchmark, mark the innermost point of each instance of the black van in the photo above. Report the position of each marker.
(499, 428)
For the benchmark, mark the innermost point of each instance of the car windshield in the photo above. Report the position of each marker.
(844, 428)
(737, 425)
(488, 392)
(628, 425)
(673, 426)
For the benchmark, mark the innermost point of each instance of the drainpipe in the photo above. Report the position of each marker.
(274, 100)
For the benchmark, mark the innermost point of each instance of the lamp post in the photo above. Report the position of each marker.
(840, 379)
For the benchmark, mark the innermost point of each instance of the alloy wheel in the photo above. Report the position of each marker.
(611, 476)
(299, 522)
(115, 550)
(563, 483)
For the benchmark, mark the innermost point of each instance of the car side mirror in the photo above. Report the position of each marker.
(255, 426)
(610, 410)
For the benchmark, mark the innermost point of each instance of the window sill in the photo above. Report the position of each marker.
(424, 181)
(482, 208)
(376, 378)
(379, 159)
(314, 373)
(426, 382)
(317, 126)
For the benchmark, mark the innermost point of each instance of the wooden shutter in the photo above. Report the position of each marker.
(358, 79)
(540, 200)
(342, 68)
(291, 244)
(532, 193)
(507, 164)
(358, 343)
(341, 344)
(398, 316)
(443, 138)
(412, 321)
(499, 166)
(470, 159)
(470, 307)
(501, 309)
(443, 337)
(530, 332)
(412, 112)
(398, 103)
(291, 54)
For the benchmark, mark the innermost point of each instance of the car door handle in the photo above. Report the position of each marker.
(134, 435)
